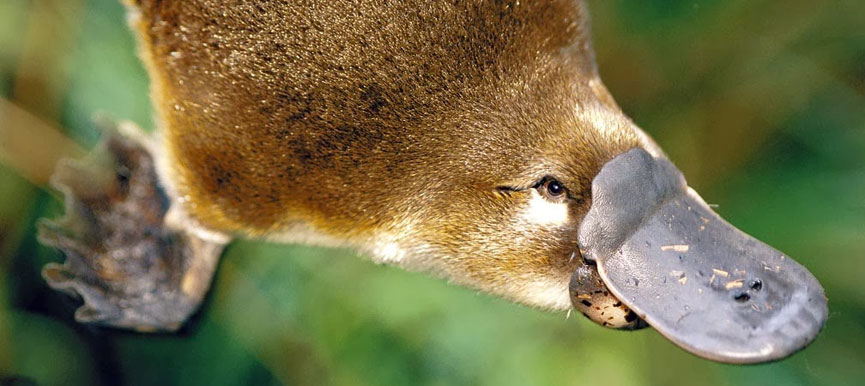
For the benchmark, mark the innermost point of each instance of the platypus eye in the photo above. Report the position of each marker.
(552, 189)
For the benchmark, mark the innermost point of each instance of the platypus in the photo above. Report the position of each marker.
(473, 140)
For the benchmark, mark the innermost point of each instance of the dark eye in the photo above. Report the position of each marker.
(553, 188)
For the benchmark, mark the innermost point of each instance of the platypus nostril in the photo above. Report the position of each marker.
(742, 297)
(756, 285)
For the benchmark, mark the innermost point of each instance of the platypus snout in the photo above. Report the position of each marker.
(702, 283)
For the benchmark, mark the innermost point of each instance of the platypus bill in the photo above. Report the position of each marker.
(473, 140)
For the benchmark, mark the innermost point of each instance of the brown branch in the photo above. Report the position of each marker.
(31, 147)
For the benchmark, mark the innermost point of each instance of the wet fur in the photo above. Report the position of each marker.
(412, 130)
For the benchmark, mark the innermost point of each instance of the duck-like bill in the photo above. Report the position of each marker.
(705, 285)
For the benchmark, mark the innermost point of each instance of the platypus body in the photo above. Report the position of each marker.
(470, 139)
(417, 130)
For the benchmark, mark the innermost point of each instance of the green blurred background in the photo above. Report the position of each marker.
(761, 103)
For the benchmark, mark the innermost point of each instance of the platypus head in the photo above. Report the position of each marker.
(472, 140)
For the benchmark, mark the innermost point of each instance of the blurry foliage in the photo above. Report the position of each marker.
(761, 103)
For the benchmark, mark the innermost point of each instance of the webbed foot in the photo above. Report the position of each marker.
(131, 269)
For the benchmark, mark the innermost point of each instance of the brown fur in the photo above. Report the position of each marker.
(354, 120)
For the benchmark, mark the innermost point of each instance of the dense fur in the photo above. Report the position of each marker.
(413, 130)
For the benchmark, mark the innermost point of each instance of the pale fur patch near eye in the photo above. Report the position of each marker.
(543, 212)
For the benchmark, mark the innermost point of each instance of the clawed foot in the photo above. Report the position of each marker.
(131, 270)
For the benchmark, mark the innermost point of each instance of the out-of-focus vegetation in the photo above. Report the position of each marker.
(760, 102)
